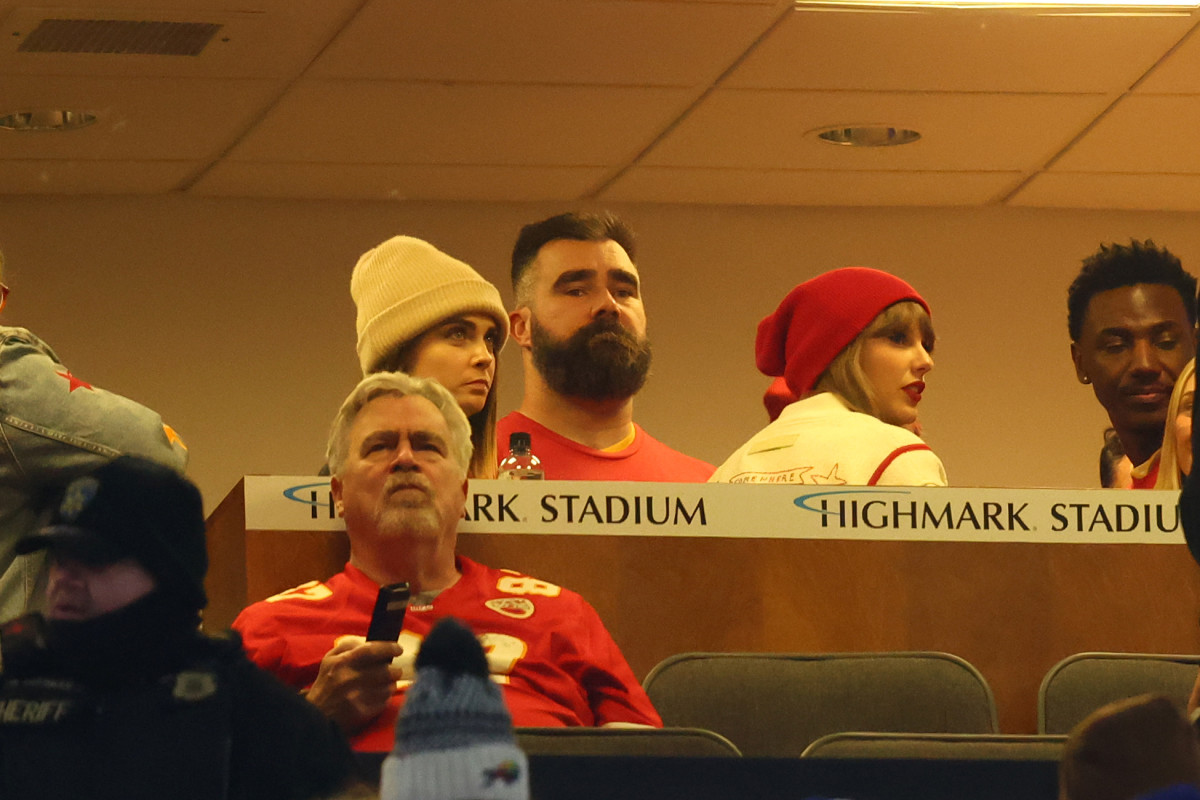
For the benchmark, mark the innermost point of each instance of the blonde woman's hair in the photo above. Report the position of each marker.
(845, 376)
(1168, 460)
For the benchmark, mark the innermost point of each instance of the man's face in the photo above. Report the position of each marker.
(585, 324)
(78, 591)
(1134, 342)
(399, 478)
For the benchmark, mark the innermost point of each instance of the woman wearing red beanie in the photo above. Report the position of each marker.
(854, 345)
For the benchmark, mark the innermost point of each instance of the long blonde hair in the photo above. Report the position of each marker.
(845, 376)
(1169, 476)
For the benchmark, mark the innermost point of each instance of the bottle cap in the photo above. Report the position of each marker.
(519, 441)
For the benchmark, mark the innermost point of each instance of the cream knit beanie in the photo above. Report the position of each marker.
(405, 286)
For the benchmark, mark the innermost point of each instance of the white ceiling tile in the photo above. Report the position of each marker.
(1179, 72)
(766, 129)
(546, 99)
(778, 3)
(1149, 192)
(272, 38)
(1142, 133)
(93, 177)
(809, 187)
(958, 50)
(544, 41)
(365, 122)
(403, 182)
(138, 119)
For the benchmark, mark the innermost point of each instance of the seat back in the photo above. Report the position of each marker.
(1082, 683)
(960, 746)
(694, 742)
(776, 704)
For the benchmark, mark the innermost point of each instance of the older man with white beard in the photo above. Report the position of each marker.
(398, 453)
(581, 326)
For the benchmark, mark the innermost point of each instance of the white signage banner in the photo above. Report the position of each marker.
(1105, 516)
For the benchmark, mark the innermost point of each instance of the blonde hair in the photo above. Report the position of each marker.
(845, 376)
(1169, 476)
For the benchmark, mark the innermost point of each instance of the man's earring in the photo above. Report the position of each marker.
(1085, 379)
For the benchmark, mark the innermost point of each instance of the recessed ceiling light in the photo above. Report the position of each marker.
(46, 119)
(867, 135)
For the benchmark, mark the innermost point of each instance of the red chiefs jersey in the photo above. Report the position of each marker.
(645, 459)
(546, 647)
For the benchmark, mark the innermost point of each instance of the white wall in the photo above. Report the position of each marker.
(233, 317)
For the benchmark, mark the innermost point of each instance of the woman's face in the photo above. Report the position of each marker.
(895, 362)
(460, 354)
(1183, 427)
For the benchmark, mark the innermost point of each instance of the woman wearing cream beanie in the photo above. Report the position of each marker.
(423, 312)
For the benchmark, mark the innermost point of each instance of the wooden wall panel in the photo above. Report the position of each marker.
(1011, 609)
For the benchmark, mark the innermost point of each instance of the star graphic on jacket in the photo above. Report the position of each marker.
(75, 382)
(173, 437)
(828, 480)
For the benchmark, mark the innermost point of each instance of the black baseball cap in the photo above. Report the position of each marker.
(132, 507)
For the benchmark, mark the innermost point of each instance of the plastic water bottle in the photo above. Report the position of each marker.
(521, 464)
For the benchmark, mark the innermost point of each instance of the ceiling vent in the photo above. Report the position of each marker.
(119, 37)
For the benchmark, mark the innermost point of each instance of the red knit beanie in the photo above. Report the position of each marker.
(820, 317)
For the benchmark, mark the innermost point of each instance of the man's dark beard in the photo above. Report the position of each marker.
(600, 361)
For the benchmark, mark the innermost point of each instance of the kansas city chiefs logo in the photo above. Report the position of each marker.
(515, 607)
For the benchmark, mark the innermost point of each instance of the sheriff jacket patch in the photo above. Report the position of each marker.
(22, 711)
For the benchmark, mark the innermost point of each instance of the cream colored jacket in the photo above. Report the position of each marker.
(818, 441)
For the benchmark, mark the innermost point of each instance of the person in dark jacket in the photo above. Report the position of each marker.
(113, 691)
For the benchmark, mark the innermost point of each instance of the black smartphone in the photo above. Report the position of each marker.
(388, 618)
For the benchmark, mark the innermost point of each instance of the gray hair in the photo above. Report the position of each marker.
(383, 384)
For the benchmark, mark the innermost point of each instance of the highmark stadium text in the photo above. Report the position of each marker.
(764, 511)
(609, 509)
(503, 507)
(847, 512)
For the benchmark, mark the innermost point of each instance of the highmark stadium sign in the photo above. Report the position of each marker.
(1110, 516)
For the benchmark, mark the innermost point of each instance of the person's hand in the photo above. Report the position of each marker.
(355, 681)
